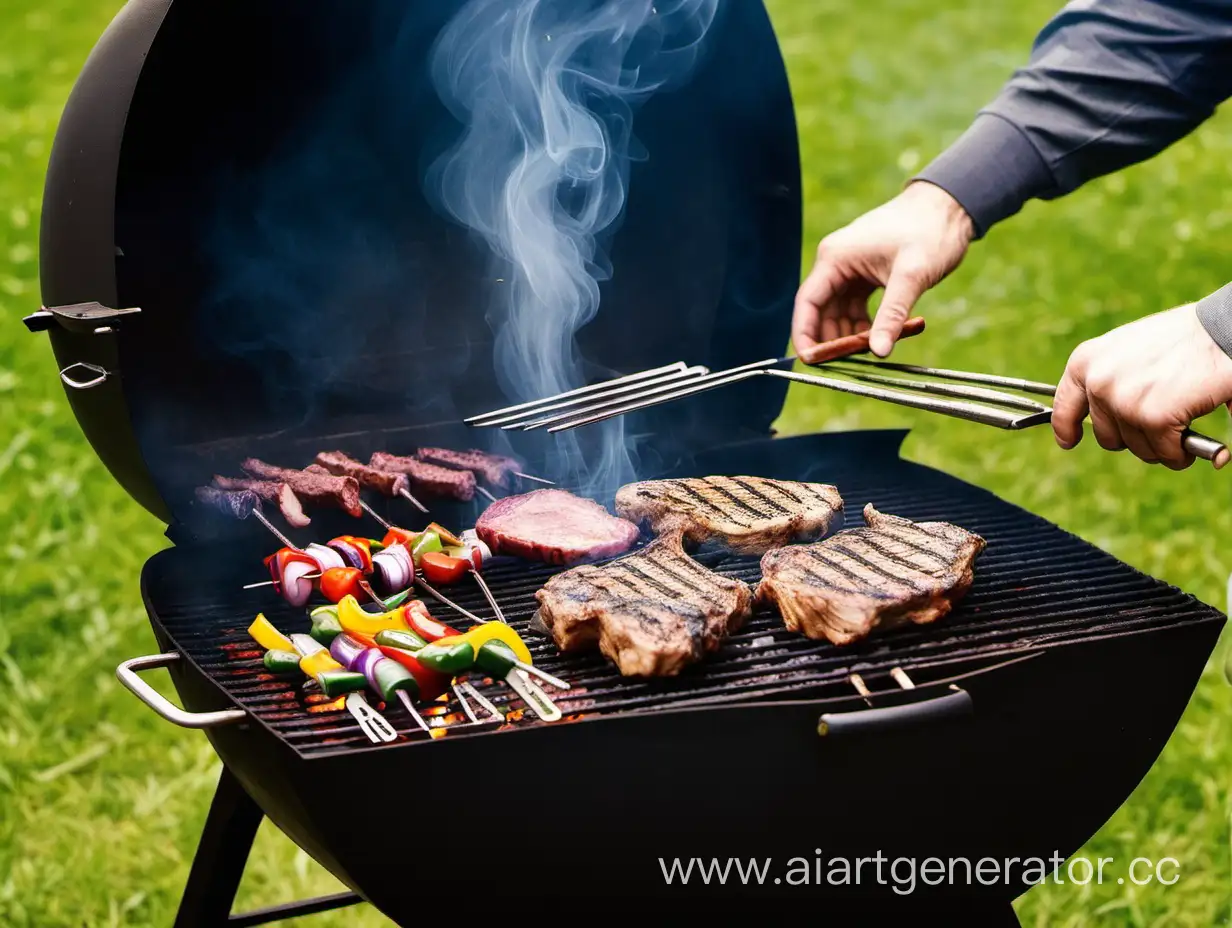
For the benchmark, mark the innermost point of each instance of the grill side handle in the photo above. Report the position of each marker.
(956, 703)
(127, 674)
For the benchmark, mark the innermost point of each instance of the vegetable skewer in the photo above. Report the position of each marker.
(412, 618)
(387, 677)
(494, 648)
(284, 654)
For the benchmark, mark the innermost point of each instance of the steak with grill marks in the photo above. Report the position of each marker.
(653, 612)
(553, 526)
(890, 572)
(749, 515)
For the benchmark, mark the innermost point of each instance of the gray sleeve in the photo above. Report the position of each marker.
(1109, 83)
(1215, 314)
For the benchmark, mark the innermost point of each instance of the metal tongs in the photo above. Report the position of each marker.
(1018, 412)
(620, 395)
(650, 388)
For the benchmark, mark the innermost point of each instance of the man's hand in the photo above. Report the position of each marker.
(907, 246)
(1143, 384)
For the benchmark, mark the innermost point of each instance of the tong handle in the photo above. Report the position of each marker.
(1205, 447)
(855, 344)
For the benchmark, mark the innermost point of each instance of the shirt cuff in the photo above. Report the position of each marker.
(992, 170)
(1215, 314)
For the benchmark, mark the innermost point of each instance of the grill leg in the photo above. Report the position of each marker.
(219, 863)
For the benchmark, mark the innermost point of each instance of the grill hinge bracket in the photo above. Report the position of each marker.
(84, 318)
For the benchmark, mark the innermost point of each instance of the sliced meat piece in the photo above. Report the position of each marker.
(434, 480)
(891, 572)
(272, 491)
(553, 526)
(385, 482)
(494, 469)
(653, 612)
(317, 488)
(749, 515)
(238, 504)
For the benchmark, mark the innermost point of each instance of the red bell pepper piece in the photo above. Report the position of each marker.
(277, 563)
(431, 683)
(399, 536)
(418, 620)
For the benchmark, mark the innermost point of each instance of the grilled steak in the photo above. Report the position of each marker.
(553, 526)
(891, 572)
(437, 481)
(272, 491)
(385, 482)
(321, 489)
(495, 469)
(749, 515)
(653, 612)
(238, 504)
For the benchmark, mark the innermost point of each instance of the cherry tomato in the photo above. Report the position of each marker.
(439, 567)
(338, 582)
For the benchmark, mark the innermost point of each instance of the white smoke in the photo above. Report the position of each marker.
(546, 91)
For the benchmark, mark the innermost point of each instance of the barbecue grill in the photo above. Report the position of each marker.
(239, 259)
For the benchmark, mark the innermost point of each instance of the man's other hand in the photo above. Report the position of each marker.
(906, 245)
(1143, 384)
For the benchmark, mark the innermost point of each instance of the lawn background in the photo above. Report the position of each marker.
(101, 803)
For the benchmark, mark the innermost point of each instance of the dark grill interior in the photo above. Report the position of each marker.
(1035, 586)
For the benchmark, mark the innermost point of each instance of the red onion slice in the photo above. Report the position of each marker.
(295, 589)
(325, 557)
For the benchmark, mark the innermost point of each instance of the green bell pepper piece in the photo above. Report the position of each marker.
(396, 638)
(496, 658)
(281, 661)
(336, 682)
(424, 544)
(390, 676)
(451, 659)
(325, 624)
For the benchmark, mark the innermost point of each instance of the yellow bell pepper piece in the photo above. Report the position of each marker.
(314, 657)
(480, 635)
(267, 636)
(352, 618)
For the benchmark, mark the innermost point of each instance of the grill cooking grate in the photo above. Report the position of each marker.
(1035, 586)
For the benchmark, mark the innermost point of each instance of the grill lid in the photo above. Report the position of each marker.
(271, 184)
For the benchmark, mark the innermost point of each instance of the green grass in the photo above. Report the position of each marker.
(101, 804)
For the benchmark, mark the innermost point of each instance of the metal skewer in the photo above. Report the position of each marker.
(519, 420)
(580, 391)
(260, 517)
(368, 509)
(992, 380)
(700, 385)
(406, 494)
(437, 595)
(485, 493)
(483, 701)
(518, 473)
(409, 705)
(487, 594)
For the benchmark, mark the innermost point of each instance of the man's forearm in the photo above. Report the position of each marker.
(1110, 83)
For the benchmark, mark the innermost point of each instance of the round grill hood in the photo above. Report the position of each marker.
(253, 177)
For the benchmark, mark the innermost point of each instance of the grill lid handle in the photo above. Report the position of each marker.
(954, 704)
(127, 674)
